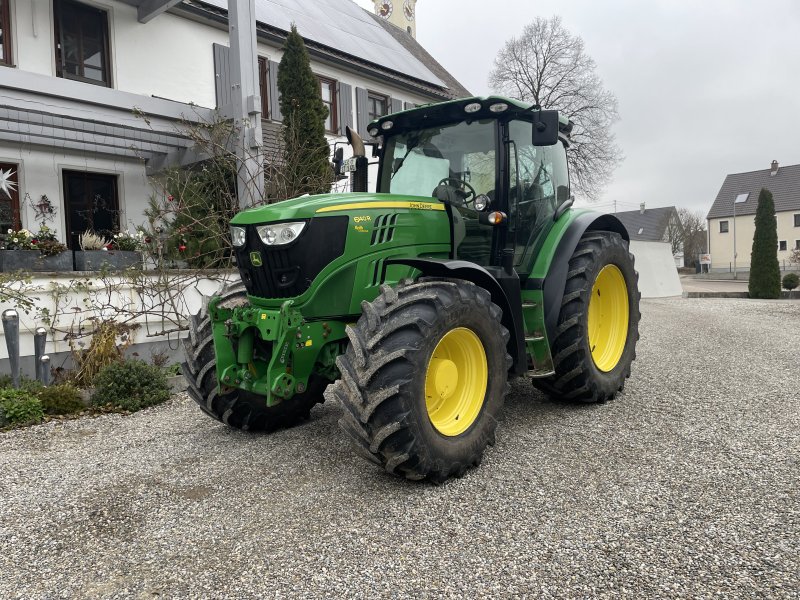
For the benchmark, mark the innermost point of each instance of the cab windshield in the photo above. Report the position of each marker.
(415, 162)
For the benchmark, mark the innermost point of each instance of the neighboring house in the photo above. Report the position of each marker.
(784, 183)
(72, 73)
(655, 225)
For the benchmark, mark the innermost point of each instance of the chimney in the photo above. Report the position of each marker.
(773, 168)
(641, 208)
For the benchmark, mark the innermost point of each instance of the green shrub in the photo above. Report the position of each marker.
(790, 281)
(63, 399)
(19, 407)
(130, 385)
(29, 385)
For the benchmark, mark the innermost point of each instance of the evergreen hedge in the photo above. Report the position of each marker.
(304, 114)
(765, 274)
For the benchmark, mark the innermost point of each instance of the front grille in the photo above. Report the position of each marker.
(287, 271)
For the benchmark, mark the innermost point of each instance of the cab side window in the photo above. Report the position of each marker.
(537, 173)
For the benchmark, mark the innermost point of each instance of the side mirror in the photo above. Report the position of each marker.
(338, 161)
(356, 142)
(545, 127)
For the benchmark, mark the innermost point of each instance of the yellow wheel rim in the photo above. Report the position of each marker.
(455, 381)
(608, 318)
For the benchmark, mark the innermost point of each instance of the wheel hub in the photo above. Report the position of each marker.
(608, 318)
(455, 381)
(445, 377)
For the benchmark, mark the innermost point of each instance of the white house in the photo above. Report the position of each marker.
(731, 219)
(73, 71)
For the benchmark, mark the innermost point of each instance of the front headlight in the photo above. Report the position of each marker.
(280, 233)
(238, 236)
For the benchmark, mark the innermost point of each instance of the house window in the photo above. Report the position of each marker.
(82, 51)
(263, 87)
(797, 244)
(5, 32)
(797, 220)
(377, 105)
(9, 202)
(782, 245)
(723, 227)
(90, 204)
(328, 90)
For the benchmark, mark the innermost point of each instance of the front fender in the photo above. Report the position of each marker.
(505, 292)
(552, 264)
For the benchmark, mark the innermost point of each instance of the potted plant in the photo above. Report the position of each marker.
(40, 252)
(122, 251)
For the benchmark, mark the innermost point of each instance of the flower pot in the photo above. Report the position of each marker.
(112, 260)
(34, 261)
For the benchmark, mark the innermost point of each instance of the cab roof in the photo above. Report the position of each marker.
(454, 111)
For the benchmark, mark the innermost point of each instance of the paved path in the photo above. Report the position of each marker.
(684, 486)
(700, 285)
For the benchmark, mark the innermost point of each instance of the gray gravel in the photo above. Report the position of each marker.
(686, 485)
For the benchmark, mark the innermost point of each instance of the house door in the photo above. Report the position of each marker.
(90, 204)
(9, 198)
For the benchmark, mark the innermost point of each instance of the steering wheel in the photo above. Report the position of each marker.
(455, 193)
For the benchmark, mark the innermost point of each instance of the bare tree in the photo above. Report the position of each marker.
(548, 66)
(674, 234)
(694, 234)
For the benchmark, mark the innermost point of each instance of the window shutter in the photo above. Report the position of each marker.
(222, 75)
(409, 105)
(362, 116)
(397, 105)
(345, 98)
(274, 98)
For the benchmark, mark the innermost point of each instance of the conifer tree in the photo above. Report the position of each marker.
(304, 115)
(765, 275)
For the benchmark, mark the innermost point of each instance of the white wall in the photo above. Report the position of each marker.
(658, 276)
(40, 173)
(722, 243)
(78, 307)
(170, 57)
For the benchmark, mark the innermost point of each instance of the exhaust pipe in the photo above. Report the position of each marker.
(359, 177)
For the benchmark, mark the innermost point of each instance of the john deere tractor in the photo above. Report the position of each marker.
(415, 305)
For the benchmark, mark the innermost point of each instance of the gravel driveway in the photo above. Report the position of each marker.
(686, 485)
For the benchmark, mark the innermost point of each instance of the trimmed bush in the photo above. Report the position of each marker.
(19, 407)
(130, 385)
(790, 281)
(765, 274)
(64, 399)
(29, 385)
(304, 116)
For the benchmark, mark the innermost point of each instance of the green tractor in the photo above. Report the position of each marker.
(415, 305)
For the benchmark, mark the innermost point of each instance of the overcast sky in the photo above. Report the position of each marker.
(704, 88)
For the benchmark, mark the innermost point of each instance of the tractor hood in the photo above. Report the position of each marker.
(307, 207)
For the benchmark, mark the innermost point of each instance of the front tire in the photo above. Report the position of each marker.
(598, 325)
(424, 378)
(237, 408)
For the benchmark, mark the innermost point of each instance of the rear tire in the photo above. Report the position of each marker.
(579, 375)
(237, 408)
(424, 378)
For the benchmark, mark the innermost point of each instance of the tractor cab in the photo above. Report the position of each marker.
(498, 165)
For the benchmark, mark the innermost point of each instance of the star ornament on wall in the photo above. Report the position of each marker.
(6, 185)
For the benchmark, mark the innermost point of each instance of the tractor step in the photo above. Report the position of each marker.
(534, 373)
